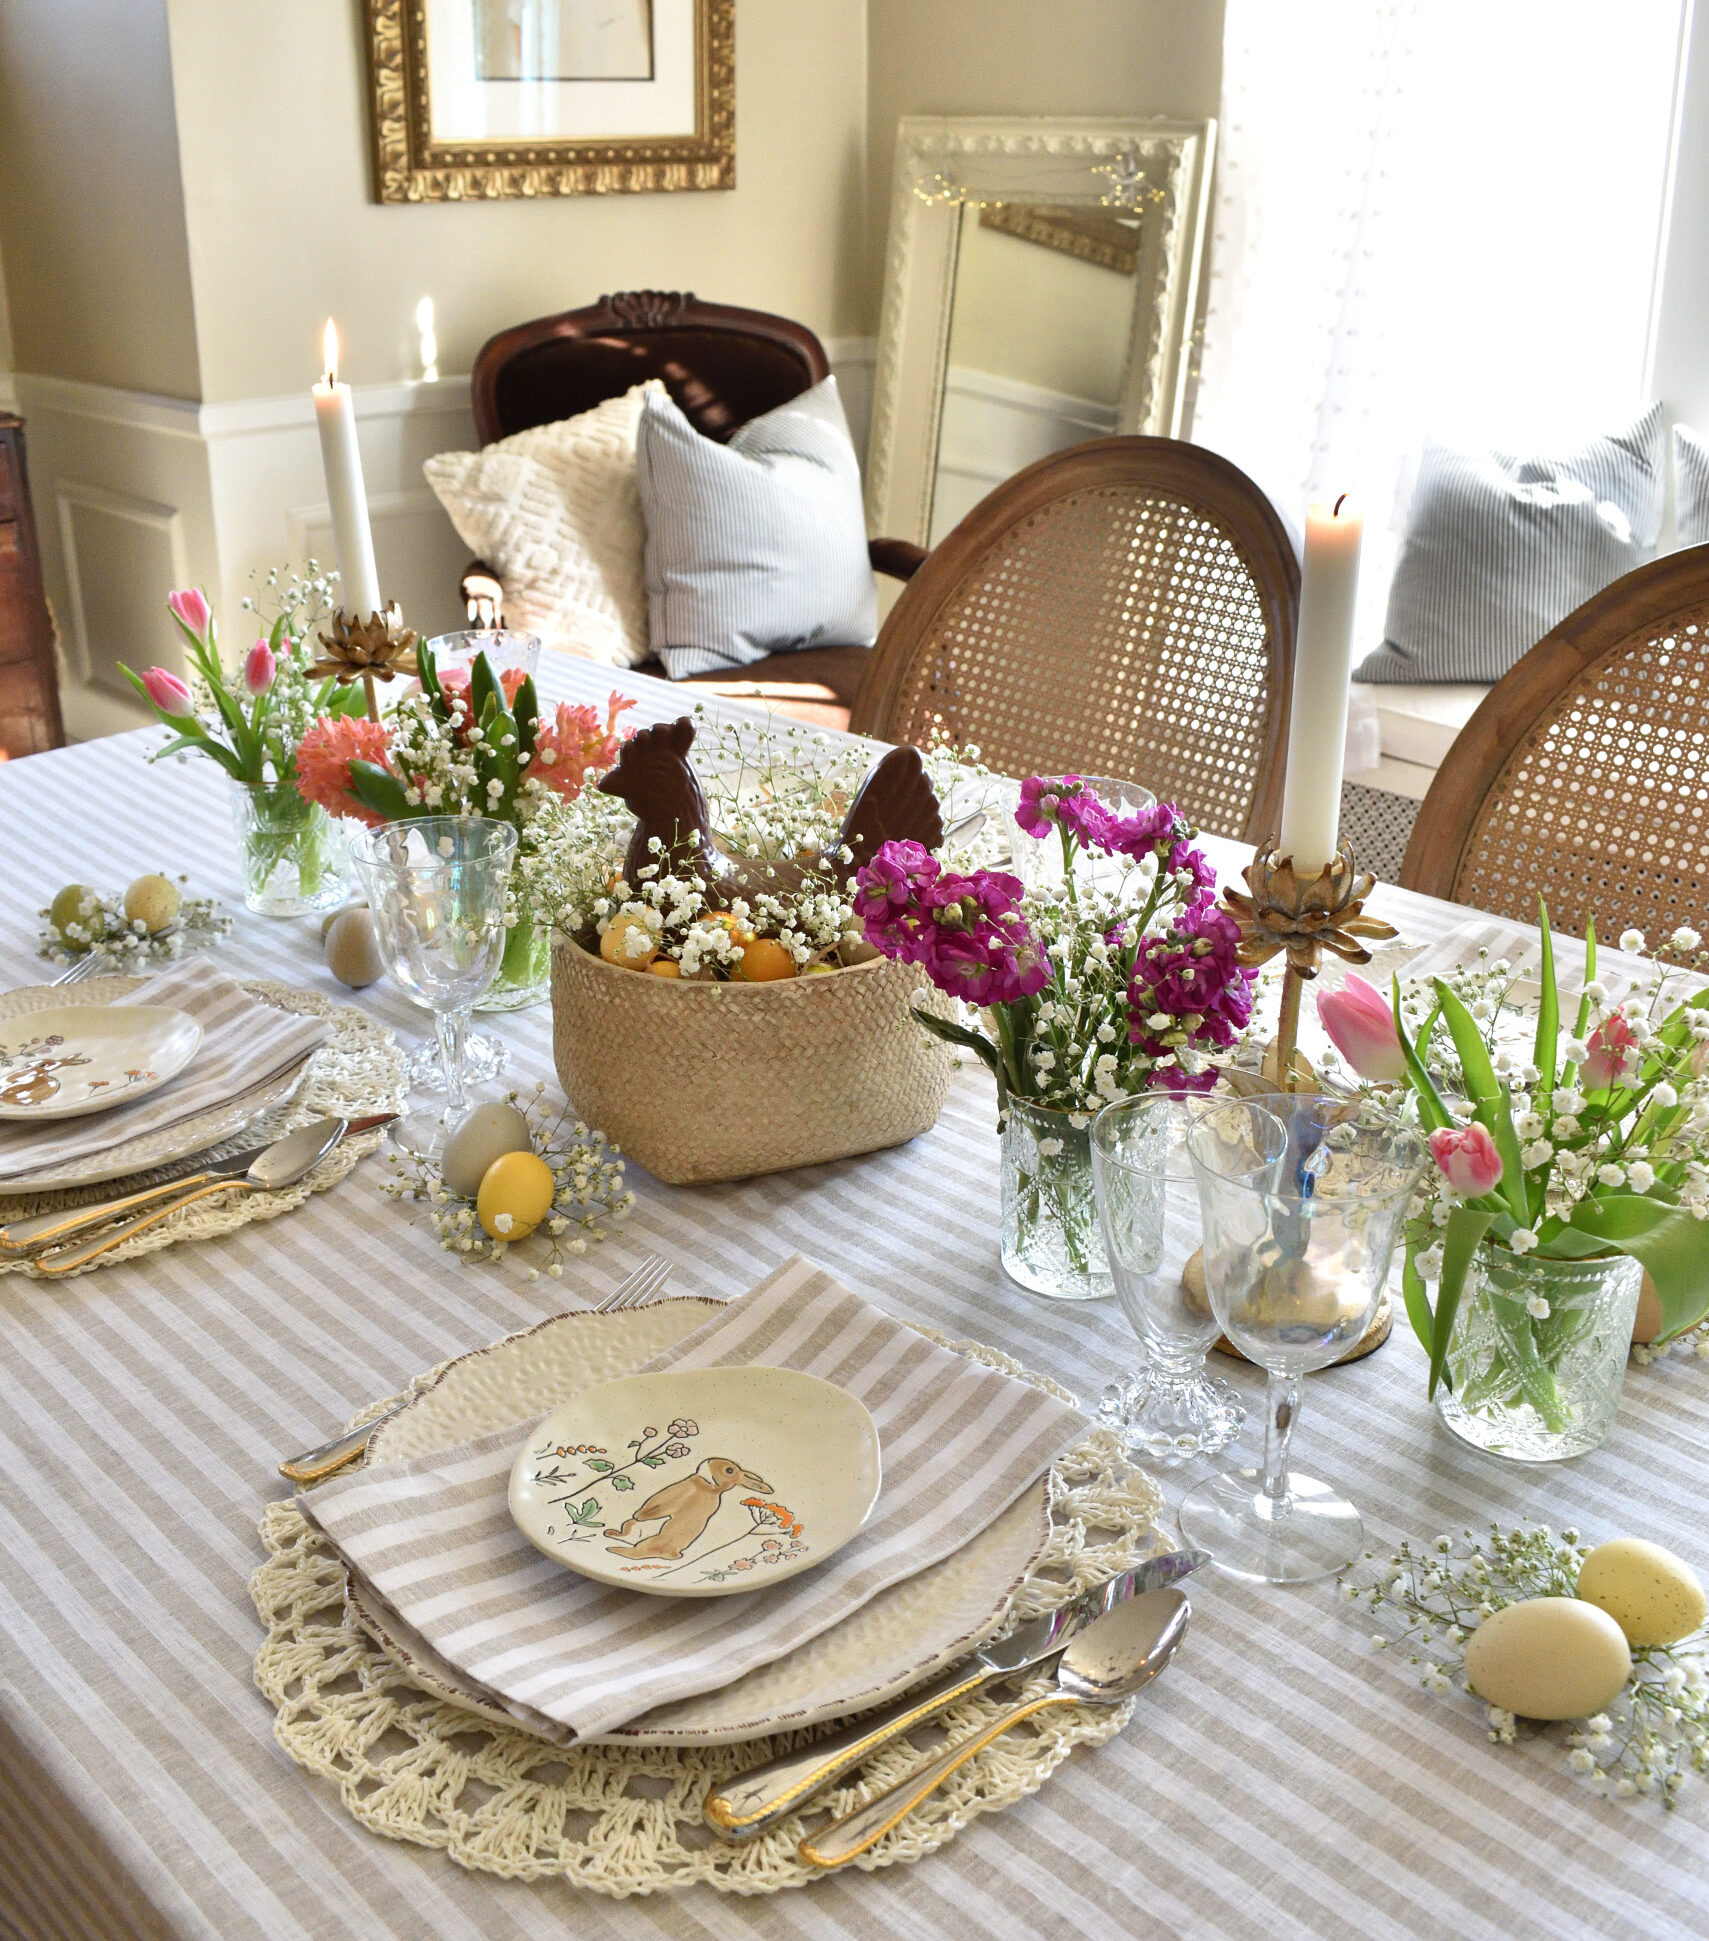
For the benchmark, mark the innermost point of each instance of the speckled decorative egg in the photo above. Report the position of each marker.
(353, 953)
(76, 903)
(1653, 1596)
(478, 1138)
(628, 943)
(665, 967)
(1647, 1322)
(153, 902)
(515, 1196)
(1548, 1658)
(764, 961)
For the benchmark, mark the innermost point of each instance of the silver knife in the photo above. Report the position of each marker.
(268, 1168)
(754, 1802)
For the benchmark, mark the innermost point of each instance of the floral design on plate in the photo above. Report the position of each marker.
(78, 1058)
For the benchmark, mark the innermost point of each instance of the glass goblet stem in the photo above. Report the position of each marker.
(1281, 1411)
(452, 1028)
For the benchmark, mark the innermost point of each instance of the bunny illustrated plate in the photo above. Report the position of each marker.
(701, 1482)
(77, 1058)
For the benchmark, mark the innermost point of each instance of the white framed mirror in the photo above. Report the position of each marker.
(1040, 288)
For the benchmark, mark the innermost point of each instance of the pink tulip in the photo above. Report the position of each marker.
(168, 693)
(189, 606)
(1361, 1027)
(1468, 1159)
(1609, 1045)
(259, 668)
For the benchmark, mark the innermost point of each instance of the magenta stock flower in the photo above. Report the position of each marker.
(1361, 1027)
(259, 667)
(168, 693)
(1467, 1158)
(1189, 989)
(965, 932)
(189, 607)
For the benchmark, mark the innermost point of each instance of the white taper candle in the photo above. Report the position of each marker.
(341, 458)
(1323, 667)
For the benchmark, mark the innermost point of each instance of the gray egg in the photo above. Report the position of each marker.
(479, 1137)
(353, 949)
(332, 916)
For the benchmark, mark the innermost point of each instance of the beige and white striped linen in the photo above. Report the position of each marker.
(243, 1042)
(434, 1535)
(1282, 1779)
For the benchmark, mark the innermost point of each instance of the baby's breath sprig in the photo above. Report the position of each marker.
(1431, 1599)
(590, 1191)
(103, 930)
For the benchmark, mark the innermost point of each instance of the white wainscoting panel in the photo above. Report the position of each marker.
(991, 427)
(111, 543)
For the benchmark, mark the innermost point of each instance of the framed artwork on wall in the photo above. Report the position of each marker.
(473, 99)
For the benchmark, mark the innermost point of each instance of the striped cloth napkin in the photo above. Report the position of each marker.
(434, 1537)
(243, 1042)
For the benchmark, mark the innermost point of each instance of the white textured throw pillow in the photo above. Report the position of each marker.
(1690, 487)
(758, 546)
(1499, 549)
(555, 512)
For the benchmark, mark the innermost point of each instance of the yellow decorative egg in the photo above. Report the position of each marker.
(628, 943)
(764, 961)
(153, 902)
(665, 967)
(516, 1195)
(1548, 1658)
(1652, 1595)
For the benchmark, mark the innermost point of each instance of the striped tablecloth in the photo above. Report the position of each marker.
(1282, 1780)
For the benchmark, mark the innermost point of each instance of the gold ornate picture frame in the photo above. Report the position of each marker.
(478, 99)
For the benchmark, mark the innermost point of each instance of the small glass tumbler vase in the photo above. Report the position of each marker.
(291, 852)
(1538, 1353)
(1038, 861)
(525, 974)
(1051, 1241)
(454, 654)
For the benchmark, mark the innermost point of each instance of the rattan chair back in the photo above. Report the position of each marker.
(1125, 607)
(1583, 779)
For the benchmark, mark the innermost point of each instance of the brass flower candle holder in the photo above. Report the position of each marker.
(380, 648)
(1304, 917)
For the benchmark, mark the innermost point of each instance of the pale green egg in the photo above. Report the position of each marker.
(478, 1138)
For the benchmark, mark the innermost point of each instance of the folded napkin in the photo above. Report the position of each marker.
(243, 1043)
(434, 1537)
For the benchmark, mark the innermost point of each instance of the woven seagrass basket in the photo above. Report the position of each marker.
(712, 1081)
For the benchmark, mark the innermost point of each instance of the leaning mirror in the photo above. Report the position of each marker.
(1040, 289)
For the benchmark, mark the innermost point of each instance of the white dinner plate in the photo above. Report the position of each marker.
(905, 1634)
(75, 1059)
(698, 1482)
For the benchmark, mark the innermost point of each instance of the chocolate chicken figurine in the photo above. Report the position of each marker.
(654, 776)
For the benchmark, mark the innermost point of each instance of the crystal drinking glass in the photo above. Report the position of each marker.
(1296, 1254)
(437, 885)
(1038, 860)
(1148, 1205)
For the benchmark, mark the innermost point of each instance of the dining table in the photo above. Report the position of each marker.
(1283, 1778)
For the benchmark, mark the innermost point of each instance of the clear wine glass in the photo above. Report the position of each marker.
(1171, 1409)
(1296, 1254)
(437, 887)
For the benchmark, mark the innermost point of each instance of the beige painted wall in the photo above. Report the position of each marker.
(7, 362)
(283, 230)
(91, 215)
(1028, 57)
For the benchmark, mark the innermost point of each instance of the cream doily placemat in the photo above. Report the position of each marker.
(358, 1071)
(624, 1820)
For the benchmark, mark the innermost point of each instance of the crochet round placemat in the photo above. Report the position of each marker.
(359, 1070)
(620, 1819)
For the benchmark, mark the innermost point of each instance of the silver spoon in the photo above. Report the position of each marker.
(1107, 1662)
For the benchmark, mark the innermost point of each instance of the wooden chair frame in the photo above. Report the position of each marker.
(1667, 597)
(1189, 474)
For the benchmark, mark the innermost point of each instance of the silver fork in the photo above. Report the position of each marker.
(78, 969)
(315, 1464)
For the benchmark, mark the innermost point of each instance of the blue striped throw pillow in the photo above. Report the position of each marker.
(1690, 487)
(755, 547)
(1499, 549)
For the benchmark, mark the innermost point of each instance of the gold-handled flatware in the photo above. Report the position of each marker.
(44, 1230)
(315, 1465)
(1107, 1662)
(755, 1801)
(276, 1166)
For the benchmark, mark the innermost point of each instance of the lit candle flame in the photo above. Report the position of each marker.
(329, 352)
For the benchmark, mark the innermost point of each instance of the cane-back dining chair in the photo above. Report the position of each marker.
(723, 366)
(1583, 778)
(1124, 607)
